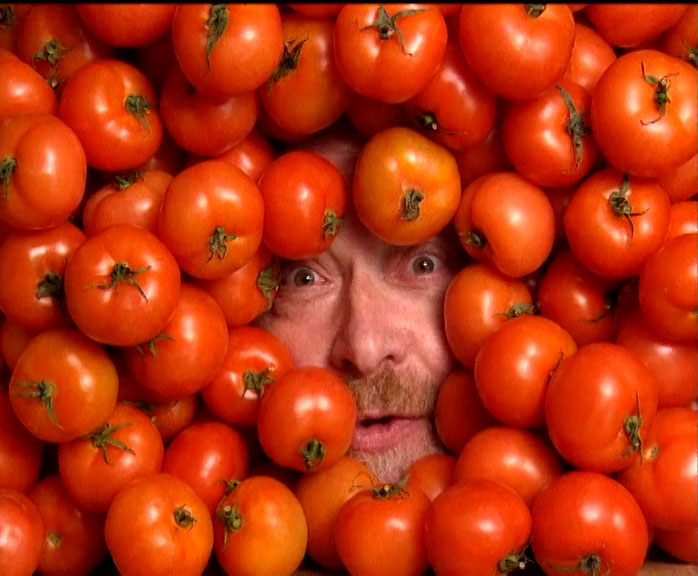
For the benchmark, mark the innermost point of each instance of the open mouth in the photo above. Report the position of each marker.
(380, 433)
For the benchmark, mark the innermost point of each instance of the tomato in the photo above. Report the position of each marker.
(157, 524)
(254, 360)
(681, 544)
(125, 446)
(211, 219)
(459, 412)
(513, 366)
(305, 198)
(63, 386)
(321, 495)
(548, 139)
(122, 285)
(664, 481)
(485, 156)
(681, 183)
(202, 124)
(316, 10)
(22, 89)
(32, 264)
(226, 49)
(615, 222)
(13, 338)
(21, 453)
(113, 108)
(406, 187)
(431, 473)
(491, 34)
(391, 515)
(683, 218)
(591, 55)
(306, 419)
(39, 153)
(599, 404)
(587, 521)
(253, 154)
(478, 300)
(73, 538)
(189, 351)
(454, 108)
(120, 25)
(260, 528)
(389, 52)
(207, 455)
(681, 39)
(497, 207)
(306, 67)
(643, 113)
(667, 289)
(11, 16)
(370, 116)
(21, 533)
(477, 527)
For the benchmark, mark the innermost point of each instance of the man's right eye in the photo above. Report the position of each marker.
(302, 277)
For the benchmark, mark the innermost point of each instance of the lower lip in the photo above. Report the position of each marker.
(378, 437)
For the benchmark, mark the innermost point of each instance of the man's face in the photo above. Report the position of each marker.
(373, 313)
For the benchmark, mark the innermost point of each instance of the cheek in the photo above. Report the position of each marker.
(308, 342)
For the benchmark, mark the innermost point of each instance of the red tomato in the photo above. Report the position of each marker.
(304, 202)
(226, 49)
(587, 521)
(22, 89)
(127, 25)
(11, 18)
(600, 403)
(389, 52)
(63, 386)
(21, 533)
(643, 112)
(681, 40)
(122, 285)
(681, 183)
(431, 473)
(477, 527)
(591, 55)
(681, 544)
(486, 156)
(211, 219)
(388, 514)
(491, 34)
(306, 419)
(614, 223)
(497, 207)
(158, 525)
(406, 187)
(13, 338)
(73, 538)
(683, 218)
(125, 446)
(112, 107)
(253, 154)
(370, 116)
(43, 171)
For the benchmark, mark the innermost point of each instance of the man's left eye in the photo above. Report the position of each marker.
(423, 265)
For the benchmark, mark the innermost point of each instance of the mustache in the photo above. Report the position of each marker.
(387, 393)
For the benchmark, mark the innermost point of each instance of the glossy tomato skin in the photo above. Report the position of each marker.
(406, 187)
(431, 473)
(122, 285)
(23, 89)
(636, 128)
(21, 533)
(378, 61)
(589, 517)
(681, 544)
(591, 55)
(118, 25)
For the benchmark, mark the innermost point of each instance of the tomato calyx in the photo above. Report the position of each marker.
(519, 309)
(535, 10)
(410, 204)
(575, 127)
(51, 285)
(217, 243)
(691, 53)
(183, 517)
(256, 381)
(138, 106)
(122, 271)
(661, 93)
(7, 166)
(289, 61)
(387, 24)
(44, 390)
(622, 206)
(512, 563)
(330, 224)
(7, 15)
(590, 564)
(123, 182)
(268, 284)
(102, 438)
(215, 26)
(391, 490)
(632, 427)
(313, 452)
(52, 52)
(152, 344)
(54, 538)
(232, 520)
(474, 239)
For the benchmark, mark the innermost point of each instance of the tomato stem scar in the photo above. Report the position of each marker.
(6, 168)
(215, 26)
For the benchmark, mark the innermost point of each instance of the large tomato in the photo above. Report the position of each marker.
(23, 90)
(121, 25)
(21, 533)
(591, 55)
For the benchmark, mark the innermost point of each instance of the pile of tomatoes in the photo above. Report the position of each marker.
(149, 187)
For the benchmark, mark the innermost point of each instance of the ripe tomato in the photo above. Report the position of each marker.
(122, 285)
(32, 264)
(477, 527)
(22, 89)
(260, 528)
(113, 108)
(73, 538)
(681, 39)
(370, 116)
(643, 112)
(43, 171)
(591, 55)
(683, 218)
(600, 403)
(497, 207)
(406, 187)
(63, 386)
(668, 289)
(120, 25)
(226, 49)
(13, 338)
(158, 525)
(485, 156)
(391, 515)
(306, 419)
(615, 222)
(389, 52)
(431, 473)
(21, 533)
(491, 34)
(125, 446)
(211, 219)
(586, 521)
(304, 202)
(681, 544)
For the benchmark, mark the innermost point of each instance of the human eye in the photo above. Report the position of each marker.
(295, 277)
(424, 264)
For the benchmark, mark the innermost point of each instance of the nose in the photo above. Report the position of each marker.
(371, 333)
